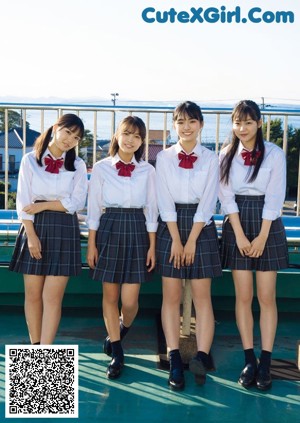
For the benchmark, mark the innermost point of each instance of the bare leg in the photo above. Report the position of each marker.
(130, 304)
(53, 293)
(205, 323)
(266, 293)
(243, 282)
(170, 312)
(110, 304)
(33, 305)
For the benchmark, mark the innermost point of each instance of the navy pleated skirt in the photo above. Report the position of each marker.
(275, 255)
(59, 235)
(123, 242)
(207, 257)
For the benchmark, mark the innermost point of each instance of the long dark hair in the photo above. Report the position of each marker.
(69, 120)
(131, 124)
(189, 108)
(242, 111)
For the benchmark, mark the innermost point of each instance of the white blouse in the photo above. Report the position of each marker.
(198, 185)
(270, 181)
(108, 189)
(34, 183)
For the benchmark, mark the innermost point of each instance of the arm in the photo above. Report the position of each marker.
(35, 208)
(77, 198)
(258, 244)
(242, 241)
(150, 263)
(190, 247)
(34, 244)
(177, 248)
(92, 252)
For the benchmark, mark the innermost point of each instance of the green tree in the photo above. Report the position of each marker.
(87, 142)
(276, 136)
(14, 120)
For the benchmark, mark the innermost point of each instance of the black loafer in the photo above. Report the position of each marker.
(197, 367)
(114, 370)
(107, 346)
(263, 379)
(248, 375)
(176, 379)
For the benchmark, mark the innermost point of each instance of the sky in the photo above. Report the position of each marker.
(88, 49)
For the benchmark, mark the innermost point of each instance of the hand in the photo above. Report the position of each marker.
(92, 256)
(150, 262)
(257, 247)
(243, 245)
(189, 252)
(34, 246)
(35, 208)
(176, 254)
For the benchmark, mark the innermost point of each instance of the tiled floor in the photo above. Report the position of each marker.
(142, 394)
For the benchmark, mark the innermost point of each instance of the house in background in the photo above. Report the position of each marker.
(15, 152)
(156, 143)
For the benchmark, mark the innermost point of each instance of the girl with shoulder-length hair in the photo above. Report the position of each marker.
(52, 188)
(122, 220)
(252, 192)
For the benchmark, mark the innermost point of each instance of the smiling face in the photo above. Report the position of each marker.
(64, 139)
(245, 128)
(129, 141)
(187, 129)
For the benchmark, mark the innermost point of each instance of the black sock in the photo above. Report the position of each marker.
(36, 343)
(250, 357)
(265, 359)
(175, 360)
(123, 330)
(117, 350)
(204, 358)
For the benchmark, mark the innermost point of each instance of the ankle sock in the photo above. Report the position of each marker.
(36, 343)
(117, 350)
(250, 357)
(201, 355)
(123, 330)
(265, 359)
(175, 360)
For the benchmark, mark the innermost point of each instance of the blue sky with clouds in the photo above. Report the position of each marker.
(90, 48)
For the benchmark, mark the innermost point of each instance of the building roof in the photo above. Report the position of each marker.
(15, 138)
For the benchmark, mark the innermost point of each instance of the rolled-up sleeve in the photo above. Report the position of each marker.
(166, 204)
(77, 199)
(95, 198)
(151, 209)
(208, 200)
(227, 195)
(276, 189)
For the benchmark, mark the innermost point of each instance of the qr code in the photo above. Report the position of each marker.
(41, 381)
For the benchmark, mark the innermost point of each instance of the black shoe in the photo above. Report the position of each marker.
(107, 346)
(248, 375)
(114, 370)
(263, 379)
(176, 379)
(197, 367)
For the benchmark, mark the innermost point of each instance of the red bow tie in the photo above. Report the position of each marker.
(250, 157)
(125, 169)
(186, 160)
(52, 165)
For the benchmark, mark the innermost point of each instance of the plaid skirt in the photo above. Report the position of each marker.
(207, 259)
(275, 255)
(59, 235)
(123, 242)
